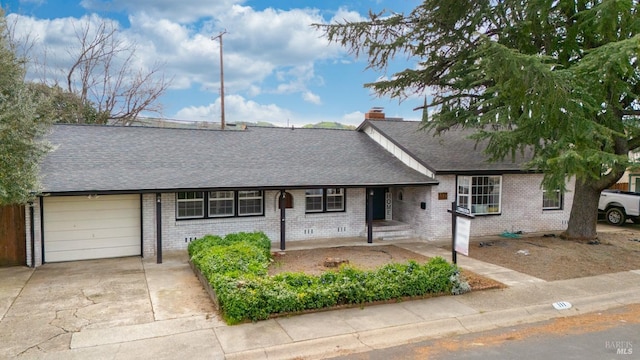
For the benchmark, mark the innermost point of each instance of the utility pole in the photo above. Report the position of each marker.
(219, 37)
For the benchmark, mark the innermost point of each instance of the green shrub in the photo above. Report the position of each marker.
(236, 267)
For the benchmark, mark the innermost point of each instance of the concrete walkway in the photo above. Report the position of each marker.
(135, 309)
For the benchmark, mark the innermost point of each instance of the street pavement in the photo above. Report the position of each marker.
(610, 334)
(133, 308)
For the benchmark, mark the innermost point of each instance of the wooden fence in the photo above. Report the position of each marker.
(13, 249)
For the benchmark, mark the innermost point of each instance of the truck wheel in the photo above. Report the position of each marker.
(615, 216)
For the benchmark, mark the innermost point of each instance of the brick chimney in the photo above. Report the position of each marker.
(375, 113)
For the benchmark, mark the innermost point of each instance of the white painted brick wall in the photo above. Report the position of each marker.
(521, 208)
(176, 234)
(148, 225)
(37, 234)
(521, 211)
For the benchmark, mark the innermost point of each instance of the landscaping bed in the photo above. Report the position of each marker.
(236, 267)
(312, 261)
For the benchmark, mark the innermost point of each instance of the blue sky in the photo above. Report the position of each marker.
(277, 67)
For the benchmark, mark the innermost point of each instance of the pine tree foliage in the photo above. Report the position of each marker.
(556, 79)
(21, 128)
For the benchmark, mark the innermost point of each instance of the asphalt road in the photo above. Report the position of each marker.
(613, 334)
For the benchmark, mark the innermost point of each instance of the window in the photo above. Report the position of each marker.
(221, 203)
(335, 199)
(480, 194)
(324, 200)
(190, 205)
(250, 203)
(314, 200)
(551, 200)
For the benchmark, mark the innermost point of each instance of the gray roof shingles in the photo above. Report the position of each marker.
(450, 152)
(113, 158)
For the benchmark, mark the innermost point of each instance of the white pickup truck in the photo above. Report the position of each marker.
(617, 206)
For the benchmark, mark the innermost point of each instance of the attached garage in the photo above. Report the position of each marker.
(91, 227)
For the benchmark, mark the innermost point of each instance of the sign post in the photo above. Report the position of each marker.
(460, 229)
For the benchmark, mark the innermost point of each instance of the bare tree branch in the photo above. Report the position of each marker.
(103, 75)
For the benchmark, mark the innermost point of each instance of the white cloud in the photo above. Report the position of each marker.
(354, 118)
(343, 14)
(53, 44)
(237, 109)
(308, 96)
(265, 51)
(183, 11)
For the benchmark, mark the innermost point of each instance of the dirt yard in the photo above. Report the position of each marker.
(362, 257)
(552, 258)
(547, 257)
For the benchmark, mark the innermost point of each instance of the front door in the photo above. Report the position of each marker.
(379, 203)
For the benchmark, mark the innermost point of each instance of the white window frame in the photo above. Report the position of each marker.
(225, 197)
(546, 199)
(334, 193)
(242, 198)
(188, 200)
(313, 194)
(326, 197)
(468, 194)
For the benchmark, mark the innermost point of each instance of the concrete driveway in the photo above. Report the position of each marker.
(70, 310)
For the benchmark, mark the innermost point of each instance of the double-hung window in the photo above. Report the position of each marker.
(551, 200)
(221, 203)
(314, 200)
(250, 203)
(480, 194)
(335, 199)
(190, 205)
(324, 200)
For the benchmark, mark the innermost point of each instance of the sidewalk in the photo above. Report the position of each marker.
(175, 333)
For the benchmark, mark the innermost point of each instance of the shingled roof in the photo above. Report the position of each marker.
(451, 152)
(89, 158)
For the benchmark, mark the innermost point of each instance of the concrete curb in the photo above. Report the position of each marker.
(427, 330)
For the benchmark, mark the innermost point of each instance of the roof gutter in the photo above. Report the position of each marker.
(213, 188)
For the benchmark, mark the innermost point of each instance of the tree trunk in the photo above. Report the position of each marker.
(584, 212)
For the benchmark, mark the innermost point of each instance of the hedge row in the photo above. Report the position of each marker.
(236, 267)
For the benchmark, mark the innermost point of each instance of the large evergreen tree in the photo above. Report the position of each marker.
(21, 128)
(558, 77)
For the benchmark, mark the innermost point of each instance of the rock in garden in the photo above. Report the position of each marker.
(334, 262)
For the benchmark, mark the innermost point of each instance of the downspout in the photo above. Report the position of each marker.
(370, 216)
(159, 228)
(283, 215)
(32, 235)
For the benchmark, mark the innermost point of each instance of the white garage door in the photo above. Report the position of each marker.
(80, 228)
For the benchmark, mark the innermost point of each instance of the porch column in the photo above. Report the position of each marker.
(370, 216)
(159, 228)
(32, 235)
(283, 215)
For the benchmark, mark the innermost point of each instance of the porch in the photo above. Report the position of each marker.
(385, 232)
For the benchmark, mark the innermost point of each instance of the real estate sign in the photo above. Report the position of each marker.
(463, 228)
